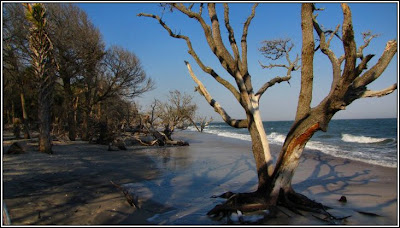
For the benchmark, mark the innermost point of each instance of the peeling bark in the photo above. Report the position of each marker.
(290, 156)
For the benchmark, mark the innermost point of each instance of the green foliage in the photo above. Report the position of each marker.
(36, 14)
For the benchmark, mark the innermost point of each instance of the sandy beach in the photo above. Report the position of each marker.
(174, 185)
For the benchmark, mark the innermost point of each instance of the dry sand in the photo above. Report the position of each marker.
(174, 184)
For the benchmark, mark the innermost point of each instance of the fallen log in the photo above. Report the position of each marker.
(162, 139)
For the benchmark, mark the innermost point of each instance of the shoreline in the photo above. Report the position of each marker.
(276, 138)
(184, 178)
(324, 178)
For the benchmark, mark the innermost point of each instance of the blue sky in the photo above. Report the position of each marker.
(163, 57)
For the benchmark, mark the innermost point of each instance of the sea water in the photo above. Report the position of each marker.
(372, 141)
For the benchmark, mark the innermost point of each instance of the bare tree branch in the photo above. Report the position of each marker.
(363, 65)
(197, 16)
(275, 49)
(232, 40)
(271, 83)
(324, 46)
(212, 34)
(190, 6)
(377, 70)
(367, 37)
(334, 33)
(244, 38)
(270, 66)
(307, 61)
(222, 53)
(201, 9)
(191, 51)
(350, 85)
(349, 45)
(217, 107)
(380, 93)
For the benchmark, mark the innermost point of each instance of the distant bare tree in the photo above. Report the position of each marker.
(176, 112)
(204, 122)
(120, 76)
(123, 75)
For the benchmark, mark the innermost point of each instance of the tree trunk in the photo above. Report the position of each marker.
(43, 64)
(44, 115)
(69, 102)
(194, 124)
(27, 135)
(275, 188)
(76, 102)
(86, 125)
(290, 155)
(84, 135)
(12, 112)
(260, 148)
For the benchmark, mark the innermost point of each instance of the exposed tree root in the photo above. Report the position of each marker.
(294, 201)
(250, 202)
(244, 202)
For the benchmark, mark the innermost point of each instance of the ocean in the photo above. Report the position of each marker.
(372, 141)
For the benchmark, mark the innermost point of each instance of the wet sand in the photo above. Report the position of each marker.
(174, 185)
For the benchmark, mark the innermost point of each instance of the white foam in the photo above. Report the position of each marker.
(278, 139)
(273, 137)
(228, 134)
(361, 139)
(335, 151)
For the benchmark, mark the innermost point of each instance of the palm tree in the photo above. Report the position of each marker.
(42, 64)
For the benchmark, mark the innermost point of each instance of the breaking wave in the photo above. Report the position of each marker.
(361, 139)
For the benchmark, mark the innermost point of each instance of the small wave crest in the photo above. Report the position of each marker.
(361, 139)
(336, 151)
(273, 137)
(230, 134)
(276, 138)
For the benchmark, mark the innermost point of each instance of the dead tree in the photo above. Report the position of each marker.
(349, 84)
(160, 138)
(202, 122)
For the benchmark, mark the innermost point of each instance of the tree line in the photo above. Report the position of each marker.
(57, 70)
